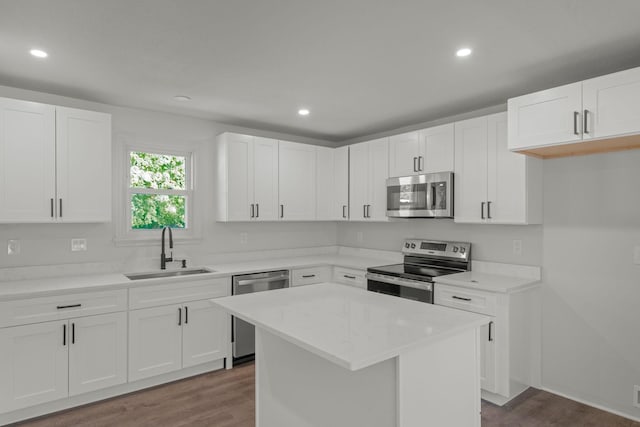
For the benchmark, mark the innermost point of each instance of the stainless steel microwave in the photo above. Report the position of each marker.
(421, 196)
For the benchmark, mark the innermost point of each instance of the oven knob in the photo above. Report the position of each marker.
(461, 250)
(413, 246)
(455, 249)
(406, 245)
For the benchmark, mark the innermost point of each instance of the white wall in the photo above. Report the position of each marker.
(489, 242)
(591, 292)
(46, 244)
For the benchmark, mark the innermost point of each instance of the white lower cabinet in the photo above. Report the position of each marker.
(204, 333)
(97, 353)
(47, 361)
(155, 341)
(509, 344)
(168, 338)
(33, 364)
(310, 276)
(488, 356)
(350, 276)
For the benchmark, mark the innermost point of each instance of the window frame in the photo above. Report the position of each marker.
(128, 236)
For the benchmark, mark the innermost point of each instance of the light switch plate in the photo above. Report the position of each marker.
(636, 255)
(78, 245)
(13, 247)
(359, 236)
(244, 238)
(517, 247)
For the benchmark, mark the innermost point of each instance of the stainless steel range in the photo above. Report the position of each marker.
(423, 260)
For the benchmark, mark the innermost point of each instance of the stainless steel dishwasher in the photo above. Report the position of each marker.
(243, 334)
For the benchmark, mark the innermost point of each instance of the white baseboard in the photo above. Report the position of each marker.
(595, 405)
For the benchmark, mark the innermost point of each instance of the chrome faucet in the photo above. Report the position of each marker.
(163, 257)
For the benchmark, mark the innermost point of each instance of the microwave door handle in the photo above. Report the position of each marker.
(430, 195)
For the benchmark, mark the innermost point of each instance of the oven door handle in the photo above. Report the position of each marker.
(416, 284)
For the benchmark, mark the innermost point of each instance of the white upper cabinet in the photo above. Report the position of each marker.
(426, 151)
(297, 181)
(611, 104)
(27, 161)
(404, 153)
(341, 183)
(247, 178)
(332, 183)
(593, 113)
(437, 153)
(369, 170)
(56, 163)
(494, 185)
(83, 148)
(548, 117)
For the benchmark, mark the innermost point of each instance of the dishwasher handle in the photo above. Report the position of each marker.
(248, 282)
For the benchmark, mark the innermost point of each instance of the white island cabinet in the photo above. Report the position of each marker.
(334, 355)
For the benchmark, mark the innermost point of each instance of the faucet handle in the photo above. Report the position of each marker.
(184, 263)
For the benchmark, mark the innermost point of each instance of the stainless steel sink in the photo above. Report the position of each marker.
(173, 273)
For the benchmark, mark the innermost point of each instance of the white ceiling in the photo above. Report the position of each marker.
(360, 66)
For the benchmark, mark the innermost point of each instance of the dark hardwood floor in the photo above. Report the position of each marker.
(226, 399)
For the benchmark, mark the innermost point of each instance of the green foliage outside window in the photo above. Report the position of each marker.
(159, 172)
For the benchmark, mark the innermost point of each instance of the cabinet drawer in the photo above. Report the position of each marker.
(309, 276)
(178, 292)
(43, 309)
(465, 299)
(349, 276)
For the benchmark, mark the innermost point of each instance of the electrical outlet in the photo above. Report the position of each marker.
(359, 236)
(78, 245)
(636, 255)
(13, 247)
(517, 247)
(244, 238)
(636, 396)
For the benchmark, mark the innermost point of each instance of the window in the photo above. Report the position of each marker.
(158, 190)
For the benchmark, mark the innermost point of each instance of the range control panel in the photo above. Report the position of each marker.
(457, 250)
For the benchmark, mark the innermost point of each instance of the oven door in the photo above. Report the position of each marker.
(399, 287)
(429, 195)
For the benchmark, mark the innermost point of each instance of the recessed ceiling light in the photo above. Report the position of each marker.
(38, 53)
(303, 112)
(465, 51)
(182, 98)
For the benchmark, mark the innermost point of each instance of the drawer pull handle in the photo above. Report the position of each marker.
(461, 298)
(307, 276)
(62, 307)
(350, 277)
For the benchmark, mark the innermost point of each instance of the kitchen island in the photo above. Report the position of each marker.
(332, 355)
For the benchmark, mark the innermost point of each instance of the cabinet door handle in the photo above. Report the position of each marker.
(489, 210)
(73, 333)
(368, 211)
(307, 276)
(461, 298)
(179, 316)
(186, 315)
(491, 331)
(281, 211)
(257, 210)
(364, 211)
(62, 307)
(415, 168)
(585, 124)
(420, 163)
(576, 114)
(51, 207)
(252, 210)
(349, 277)
(481, 210)
(64, 334)
(60, 213)
(344, 211)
